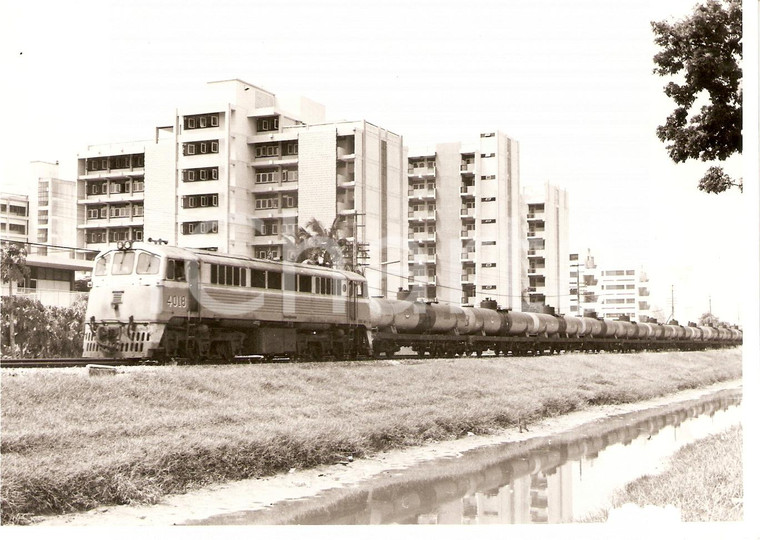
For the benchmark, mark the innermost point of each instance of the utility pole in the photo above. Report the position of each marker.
(672, 305)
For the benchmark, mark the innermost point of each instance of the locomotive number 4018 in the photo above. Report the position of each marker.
(176, 301)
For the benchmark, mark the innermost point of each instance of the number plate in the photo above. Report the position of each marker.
(176, 301)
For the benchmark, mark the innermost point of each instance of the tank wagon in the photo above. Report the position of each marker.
(157, 303)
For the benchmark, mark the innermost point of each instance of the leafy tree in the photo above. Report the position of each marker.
(44, 331)
(708, 319)
(13, 269)
(319, 245)
(703, 53)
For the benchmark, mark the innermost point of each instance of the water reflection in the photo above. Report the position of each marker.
(544, 480)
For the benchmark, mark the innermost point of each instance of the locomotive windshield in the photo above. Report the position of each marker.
(123, 263)
(101, 265)
(147, 263)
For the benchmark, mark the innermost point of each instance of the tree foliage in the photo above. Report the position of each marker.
(702, 55)
(43, 332)
(708, 319)
(13, 266)
(317, 244)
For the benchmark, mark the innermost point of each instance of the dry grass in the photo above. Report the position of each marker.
(703, 480)
(72, 442)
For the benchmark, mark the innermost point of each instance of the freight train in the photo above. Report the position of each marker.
(153, 302)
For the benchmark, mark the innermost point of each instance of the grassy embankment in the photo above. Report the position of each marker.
(71, 442)
(703, 480)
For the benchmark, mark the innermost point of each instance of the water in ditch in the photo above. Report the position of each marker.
(556, 479)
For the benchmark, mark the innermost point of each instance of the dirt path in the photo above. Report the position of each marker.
(259, 493)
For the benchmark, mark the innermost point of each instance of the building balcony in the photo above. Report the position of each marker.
(466, 168)
(536, 270)
(420, 258)
(422, 171)
(467, 213)
(274, 160)
(345, 180)
(467, 191)
(422, 237)
(536, 216)
(466, 235)
(267, 239)
(102, 223)
(112, 198)
(422, 280)
(468, 278)
(422, 193)
(345, 157)
(467, 256)
(538, 252)
(422, 215)
(267, 212)
(113, 174)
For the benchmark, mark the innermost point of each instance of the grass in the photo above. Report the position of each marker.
(703, 480)
(72, 442)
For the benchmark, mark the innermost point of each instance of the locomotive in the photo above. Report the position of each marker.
(152, 302)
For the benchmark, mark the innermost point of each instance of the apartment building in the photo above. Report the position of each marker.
(111, 194)
(612, 292)
(240, 171)
(52, 212)
(548, 269)
(14, 217)
(466, 226)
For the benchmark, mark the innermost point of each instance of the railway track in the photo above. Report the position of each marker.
(62, 362)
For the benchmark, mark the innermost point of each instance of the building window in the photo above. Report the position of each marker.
(267, 150)
(263, 203)
(200, 175)
(268, 124)
(200, 227)
(266, 177)
(488, 221)
(488, 177)
(199, 121)
(291, 149)
(200, 147)
(138, 210)
(200, 201)
(488, 242)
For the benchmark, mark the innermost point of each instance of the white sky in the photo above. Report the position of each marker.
(571, 81)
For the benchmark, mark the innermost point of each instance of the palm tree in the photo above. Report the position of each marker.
(13, 269)
(322, 246)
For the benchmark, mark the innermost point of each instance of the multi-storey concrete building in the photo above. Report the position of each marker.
(466, 226)
(582, 284)
(612, 292)
(548, 276)
(241, 171)
(111, 194)
(14, 217)
(52, 212)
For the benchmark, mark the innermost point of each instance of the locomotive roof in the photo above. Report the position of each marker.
(226, 258)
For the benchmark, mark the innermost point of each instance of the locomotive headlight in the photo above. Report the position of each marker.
(120, 245)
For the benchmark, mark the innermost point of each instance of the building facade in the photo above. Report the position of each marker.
(111, 195)
(612, 292)
(548, 269)
(242, 171)
(14, 217)
(466, 226)
(52, 213)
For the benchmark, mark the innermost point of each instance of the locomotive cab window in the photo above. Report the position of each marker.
(175, 270)
(147, 263)
(123, 263)
(101, 266)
